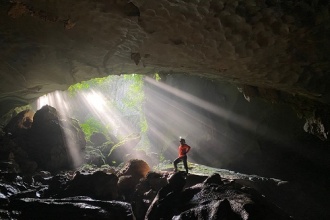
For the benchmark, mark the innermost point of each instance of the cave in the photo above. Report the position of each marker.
(244, 82)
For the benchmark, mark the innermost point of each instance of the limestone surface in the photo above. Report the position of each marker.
(48, 45)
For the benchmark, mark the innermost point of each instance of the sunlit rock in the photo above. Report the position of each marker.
(19, 123)
(150, 158)
(135, 167)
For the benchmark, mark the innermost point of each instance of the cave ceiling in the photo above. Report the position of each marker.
(267, 48)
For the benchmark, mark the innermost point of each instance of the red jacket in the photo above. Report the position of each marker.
(183, 150)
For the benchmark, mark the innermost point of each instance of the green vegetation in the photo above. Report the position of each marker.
(92, 125)
(157, 77)
(84, 85)
(78, 87)
(135, 96)
(122, 93)
(122, 142)
(143, 124)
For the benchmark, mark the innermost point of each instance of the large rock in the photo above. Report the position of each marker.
(167, 199)
(98, 138)
(97, 185)
(130, 175)
(19, 123)
(146, 191)
(210, 200)
(69, 208)
(55, 143)
(135, 167)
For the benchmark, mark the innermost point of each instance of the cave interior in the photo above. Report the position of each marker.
(246, 83)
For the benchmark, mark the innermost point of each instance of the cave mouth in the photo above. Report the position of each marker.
(152, 112)
(123, 116)
(136, 113)
(142, 113)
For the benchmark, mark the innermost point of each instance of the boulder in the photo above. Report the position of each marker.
(167, 199)
(130, 175)
(69, 208)
(135, 167)
(55, 143)
(19, 123)
(98, 138)
(97, 185)
(211, 199)
(146, 191)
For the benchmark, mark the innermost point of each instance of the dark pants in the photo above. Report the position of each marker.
(178, 160)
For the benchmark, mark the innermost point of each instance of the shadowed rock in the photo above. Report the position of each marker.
(98, 138)
(211, 200)
(97, 185)
(70, 208)
(130, 175)
(55, 143)
(168, 199)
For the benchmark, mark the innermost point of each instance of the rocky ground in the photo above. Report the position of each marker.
(135, 192)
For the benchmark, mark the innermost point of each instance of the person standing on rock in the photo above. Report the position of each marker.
(183, 150)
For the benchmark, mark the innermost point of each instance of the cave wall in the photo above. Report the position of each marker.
(277, 45)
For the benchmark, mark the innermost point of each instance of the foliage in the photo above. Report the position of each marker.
(84, 85)
(92, 125)
(74, 89)
(135, 95)
(157, 77)
(128, 96)
(143, 124)
(122, 142)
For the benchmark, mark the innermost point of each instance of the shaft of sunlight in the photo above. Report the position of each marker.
(97, 104)
(58, 99)
(96, 101)
(177, 113)
(217, 110)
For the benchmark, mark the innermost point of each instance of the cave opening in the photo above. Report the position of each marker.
(144, 117)
(146, 114)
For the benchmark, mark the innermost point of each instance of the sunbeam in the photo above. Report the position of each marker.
(97, 104)
(58, 99)
(234, 118)
(93, 103)
(175, 113)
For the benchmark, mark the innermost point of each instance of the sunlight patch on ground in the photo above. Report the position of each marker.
(202, 170)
